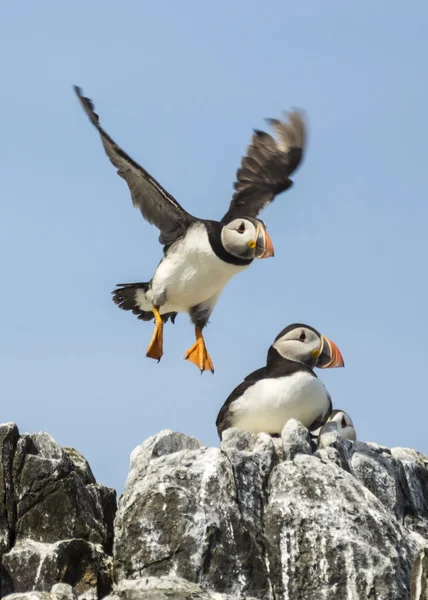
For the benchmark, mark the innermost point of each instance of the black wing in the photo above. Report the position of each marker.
(267, 166)
(155, 203)
(223, 418)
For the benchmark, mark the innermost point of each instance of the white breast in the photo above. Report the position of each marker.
(192, 273)
(270, 403)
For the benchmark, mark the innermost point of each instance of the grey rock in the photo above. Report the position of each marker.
(257, 521)
(30, 596)
(52, 501)
(415, 467)
(419, 577)
(260, 518)
(9, 435)
(329, 435)
(383, 475)
(76, 562)
(60, 591)
(295, 440)
(163, 588)
(252, 458)
(179, 515)
(56, 522)
(328, 536)
(81, 465)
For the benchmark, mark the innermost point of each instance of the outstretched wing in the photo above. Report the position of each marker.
(155, 203)
(266, 168)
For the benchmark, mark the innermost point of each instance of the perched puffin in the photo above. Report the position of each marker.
(344, 425)
(200, 256)
(286, 388)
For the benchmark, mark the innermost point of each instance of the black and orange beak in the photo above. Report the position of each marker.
(264, 246)
(330, 356)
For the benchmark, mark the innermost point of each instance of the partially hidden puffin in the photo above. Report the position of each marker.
(200, 256)
(286, 388)
(344, 424)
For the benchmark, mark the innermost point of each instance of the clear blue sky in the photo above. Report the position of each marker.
(181, 85)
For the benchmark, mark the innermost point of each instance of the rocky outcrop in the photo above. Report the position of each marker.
(260, 517)
(56, 522)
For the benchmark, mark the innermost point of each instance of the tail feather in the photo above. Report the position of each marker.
(125, 297)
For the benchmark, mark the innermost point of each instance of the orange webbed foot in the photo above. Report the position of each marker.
(155, 349)
(198, 353)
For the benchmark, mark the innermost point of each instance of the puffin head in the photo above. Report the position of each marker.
(344, 424)
(304, 344)
(246, 238)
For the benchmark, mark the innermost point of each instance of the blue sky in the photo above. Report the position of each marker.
(181, 86)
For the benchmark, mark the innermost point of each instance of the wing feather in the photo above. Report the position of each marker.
(157, 206)
(266, 168)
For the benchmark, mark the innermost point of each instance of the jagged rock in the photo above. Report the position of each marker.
(60, 521)
(75, 562)
(8, 439)
(383, 475)
(259, 518)
(328, 535)
(52, 501)
(176, 516)
(258, 521)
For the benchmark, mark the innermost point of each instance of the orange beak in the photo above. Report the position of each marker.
(330, 356)
(264, 246)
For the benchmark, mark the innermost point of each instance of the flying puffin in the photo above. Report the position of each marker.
(344, 424)
(286, 388)
(200, 255)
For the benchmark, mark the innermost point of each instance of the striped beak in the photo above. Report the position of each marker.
(330, 356)
(264, 246)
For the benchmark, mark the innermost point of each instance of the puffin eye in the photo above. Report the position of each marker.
(302, 336)
(241, 228)
(344, 423)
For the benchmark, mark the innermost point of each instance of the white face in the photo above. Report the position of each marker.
(238, 238)
(345, 424)
(300, 344)
(341, 418)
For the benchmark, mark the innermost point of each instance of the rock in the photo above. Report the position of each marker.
(329, 435)
(259, 518)
(8, 439)
(252, 458)
(177, 516)
(162, 588)
(59, 591)
(295, 440)
(52, 501)
(415, 467)
(419, 582)
(62, 591)
(75, 562)
(383, 475)
(59, 520)
(266, 523)
(330, 537)
(81, 465)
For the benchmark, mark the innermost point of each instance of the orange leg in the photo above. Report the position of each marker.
(155, 349)
(198, 354)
